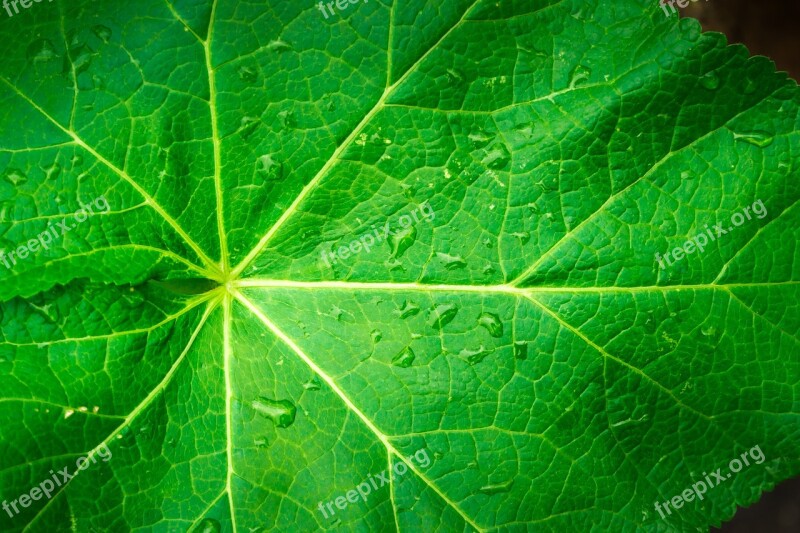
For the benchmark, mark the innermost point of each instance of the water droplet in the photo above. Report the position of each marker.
(496, 488)
(77, 160)
(520, 350)
(312, 384)
(438, 455)
(487, 242)
(488, 269)
(474, 357)
(81, 58)
(441, 315)
(15, 177)
(454, 76)
(41, 50)
(261, 442)
(402, 240)
(492, 323)
(329, 103)
(287, 119)
(523, 236)
(208, 525)
(405, 358)
(336, 312)
(708, 331)
(247, 126)
(710, 81)
(394, 264)
(376, 336)
(49, 311)
(497, 157)
(686, 175)
(268, 169)
(278, 46)
(479, 138)
(451, 262)
(756, 138)
(281, 412)
(247, 74)
(102, 32)
(408, 309)
(580, 74)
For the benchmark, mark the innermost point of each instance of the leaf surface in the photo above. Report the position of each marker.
(396, 237)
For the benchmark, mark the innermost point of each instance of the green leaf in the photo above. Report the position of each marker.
(395, 237)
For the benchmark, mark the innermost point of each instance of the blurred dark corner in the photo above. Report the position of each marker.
(767, 27)
(770, 28)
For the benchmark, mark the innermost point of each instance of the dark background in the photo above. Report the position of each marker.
(770, 28)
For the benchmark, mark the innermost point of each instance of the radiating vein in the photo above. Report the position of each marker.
(611, 199)
(350, 405)
(157, 390)
(122, 174)
(215, 139)
(341, 148)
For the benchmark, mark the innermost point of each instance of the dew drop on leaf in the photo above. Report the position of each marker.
(523, 236)
(492, 323)
(376, 336)
(247, 74)
(52, 171)
(441, 315)
(41, 50)
(497, 157)
(77, 160)
(247, 127)
(80, 58)
(278, 46)
(102, 32)
(454, 76)
(312, 384)
(520, 350)
(451, 262)
(756, 138)
(281, 412)
(580, 74)
(474, 357)
(208, 525)
(15, 177)
(710, 81)
(402, 240)
(496, 488)
(405, 358)
(479, 138)
(287, 119)
(708, 331)
(408, 309)
(268, 169)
